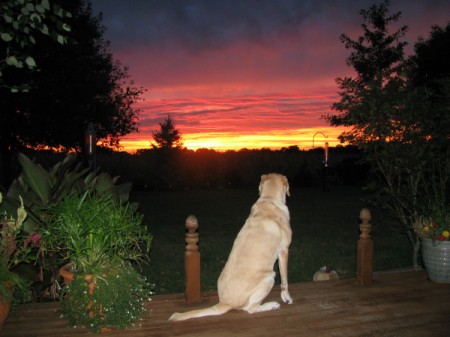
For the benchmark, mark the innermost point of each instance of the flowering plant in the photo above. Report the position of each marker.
(435, 227)
(16, 246)
(114, 299)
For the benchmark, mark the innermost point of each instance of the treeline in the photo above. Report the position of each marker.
(182, 169)
(159, 169)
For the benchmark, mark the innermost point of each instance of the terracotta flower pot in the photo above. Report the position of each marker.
(68, 277)
(66, 274)
(5, 304)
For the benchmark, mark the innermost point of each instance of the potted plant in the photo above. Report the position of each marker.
(39, 188)
(96, 239)
(434, 233)
(16, 247)
(113, 297)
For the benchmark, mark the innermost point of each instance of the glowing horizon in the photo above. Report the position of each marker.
(305, 139)
(231, 122)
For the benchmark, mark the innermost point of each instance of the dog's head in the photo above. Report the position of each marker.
(274, 185)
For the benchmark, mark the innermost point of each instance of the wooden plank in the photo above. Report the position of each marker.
(395, 304)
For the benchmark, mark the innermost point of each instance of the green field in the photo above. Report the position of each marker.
(324, 224)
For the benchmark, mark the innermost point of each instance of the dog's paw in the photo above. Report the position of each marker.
(286, 297)
(270, 306)
(262, 307)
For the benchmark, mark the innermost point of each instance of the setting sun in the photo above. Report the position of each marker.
(276, 139)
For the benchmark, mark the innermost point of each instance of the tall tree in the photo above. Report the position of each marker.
(369, 101)
(168, 136)
(388, 115)
(77, 83)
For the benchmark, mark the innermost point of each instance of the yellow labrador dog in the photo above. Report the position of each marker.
(248, 275)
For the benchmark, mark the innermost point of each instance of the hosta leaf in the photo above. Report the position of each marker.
(124, 192)
(36, 177)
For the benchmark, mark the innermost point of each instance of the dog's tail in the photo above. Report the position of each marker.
(215, 310)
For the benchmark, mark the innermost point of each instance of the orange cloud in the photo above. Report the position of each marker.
(256, 121)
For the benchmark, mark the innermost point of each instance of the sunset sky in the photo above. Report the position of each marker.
(243, 73)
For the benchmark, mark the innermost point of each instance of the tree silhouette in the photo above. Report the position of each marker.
(77, 83)
(431, 76)
(168, 136)
(432, 55)
(369, 102)
(399, 117)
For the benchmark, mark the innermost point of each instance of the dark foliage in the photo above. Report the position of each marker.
(168, 135)
(75, 84)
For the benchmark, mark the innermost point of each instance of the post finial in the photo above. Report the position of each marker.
(365, 216)
(365, 226)
(191, 223)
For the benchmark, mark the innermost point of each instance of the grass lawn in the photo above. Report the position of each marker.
(324, 224)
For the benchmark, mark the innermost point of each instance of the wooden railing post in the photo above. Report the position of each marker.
(365, 249)
(192, 262)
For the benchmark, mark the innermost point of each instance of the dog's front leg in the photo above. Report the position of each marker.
(283, 265)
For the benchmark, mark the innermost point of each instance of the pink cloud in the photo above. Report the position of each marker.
(271, 115)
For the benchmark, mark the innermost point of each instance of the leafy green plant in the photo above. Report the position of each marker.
(114, 298)
(40, 188)
(396, 110)
(98, 237)
(90, 231)
(16, 247)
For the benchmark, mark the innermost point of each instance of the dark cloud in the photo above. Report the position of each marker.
(199, 24)
(254, 40)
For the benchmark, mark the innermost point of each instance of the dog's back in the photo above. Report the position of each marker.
(253, 254)
(248, 275)
(256, 247)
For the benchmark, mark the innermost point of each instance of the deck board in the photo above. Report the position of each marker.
(395, 305)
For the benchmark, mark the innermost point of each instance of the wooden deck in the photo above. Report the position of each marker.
(396, 304)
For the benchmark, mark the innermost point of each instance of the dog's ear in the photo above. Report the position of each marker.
(286, 185)
(264, 177)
